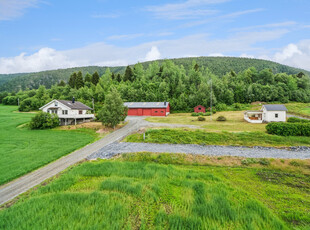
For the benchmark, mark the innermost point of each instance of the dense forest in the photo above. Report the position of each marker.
(217, 65)
(166, 81)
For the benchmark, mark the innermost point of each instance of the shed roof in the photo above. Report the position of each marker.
(75, 105)
(141, 105)
(275, 107)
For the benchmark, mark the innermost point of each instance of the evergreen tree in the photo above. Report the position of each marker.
(88, 77)
(113, 76)
(118, 78)
(72, 80)
(79, 80)
(95, 78)
(62, 83)
(129, 76)
(113, 111)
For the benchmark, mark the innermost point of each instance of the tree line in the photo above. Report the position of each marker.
(166, 81)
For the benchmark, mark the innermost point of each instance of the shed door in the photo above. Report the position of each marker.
(140, 112)
(147, 112)
(133, 112)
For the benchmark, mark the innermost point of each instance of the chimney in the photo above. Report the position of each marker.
(165, 103)
(73, 100)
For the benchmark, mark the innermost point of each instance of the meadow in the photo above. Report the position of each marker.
(300, 109)
(167, 191)
(200, 137)
(23, 150)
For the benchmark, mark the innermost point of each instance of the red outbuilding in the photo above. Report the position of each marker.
(200, 109)
(148, 108)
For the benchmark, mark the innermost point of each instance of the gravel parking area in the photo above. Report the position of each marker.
(211, 150)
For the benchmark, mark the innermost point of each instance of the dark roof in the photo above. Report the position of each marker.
(275, 107)
(75, 105)
(140, 105)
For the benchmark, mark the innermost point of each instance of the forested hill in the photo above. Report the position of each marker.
(217, 65)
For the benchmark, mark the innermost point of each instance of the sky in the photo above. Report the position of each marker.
(37, 35)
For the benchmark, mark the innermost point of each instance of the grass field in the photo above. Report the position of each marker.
(134, 192)
(181, 136)
(301, 109)
(234, 123)
(23, 150)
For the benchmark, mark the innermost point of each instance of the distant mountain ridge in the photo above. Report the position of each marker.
(217, 65)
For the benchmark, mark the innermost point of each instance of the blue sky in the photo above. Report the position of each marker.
(39, 35)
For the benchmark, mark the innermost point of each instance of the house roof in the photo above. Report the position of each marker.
(146, 104)
(275, 107)
(201, 106)
(75, 105)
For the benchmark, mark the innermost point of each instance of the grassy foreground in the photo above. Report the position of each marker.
(181, 136)
(166, 191)
(23, 150)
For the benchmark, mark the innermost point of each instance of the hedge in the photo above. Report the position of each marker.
(297, 120)
(289, 129)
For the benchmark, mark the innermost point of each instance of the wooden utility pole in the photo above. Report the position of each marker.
(93, 105)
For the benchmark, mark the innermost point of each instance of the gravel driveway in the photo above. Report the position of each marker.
(210, 150)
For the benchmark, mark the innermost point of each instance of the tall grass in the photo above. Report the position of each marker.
(118, 194)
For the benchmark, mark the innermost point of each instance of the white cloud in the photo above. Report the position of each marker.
(10, 9)
(44, 59)
(216, 55)
(297, 55)
(153, 54)
(272, 25)
(185, 10)
(103, 54)
(107, 15)
(124, 36)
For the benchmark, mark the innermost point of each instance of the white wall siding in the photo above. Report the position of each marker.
(271, 116)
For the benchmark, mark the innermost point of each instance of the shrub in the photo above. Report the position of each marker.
(264, 161)
(44, 121)
(221, 107)
(297, 120)
(29, 104)
(288, 129)
(237, 106)
(195, 114)
(206, 114)
(201, 119)
(221, 118)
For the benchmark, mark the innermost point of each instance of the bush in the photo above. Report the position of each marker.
(297, 120)
(221, 107)
(44, 121)
(221, 118)
(237, 106)
(195, 114)
(29, 104)
(206, 114)
(288, 129)
(201, 119)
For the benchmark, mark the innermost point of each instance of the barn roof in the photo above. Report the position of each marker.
(141, 105)
(75, 105)
(275, 107)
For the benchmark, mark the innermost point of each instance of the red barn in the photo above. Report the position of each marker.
(200, 109)
(148, 108)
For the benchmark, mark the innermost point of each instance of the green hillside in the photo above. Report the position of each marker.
(218, 65)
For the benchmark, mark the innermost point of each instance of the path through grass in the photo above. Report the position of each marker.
(23, 150)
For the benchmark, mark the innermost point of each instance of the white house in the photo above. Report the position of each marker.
(268, 113)
(69, 112)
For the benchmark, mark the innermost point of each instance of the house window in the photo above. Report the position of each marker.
(162, 111)
(199, 108)
(156, 111)
(80, 112)
(276, 115)
(65, 112)
(56, 103)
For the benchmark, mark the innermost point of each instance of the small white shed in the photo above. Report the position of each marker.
(268, 113)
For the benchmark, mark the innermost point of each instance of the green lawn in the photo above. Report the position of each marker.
(301, 109)
(134, 192)
(181, 136)
(23, 150)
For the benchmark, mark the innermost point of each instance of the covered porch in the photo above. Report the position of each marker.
(254, 116)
